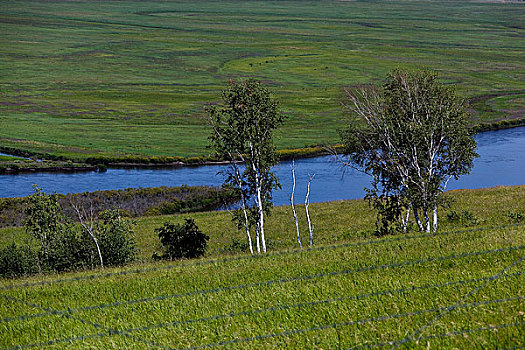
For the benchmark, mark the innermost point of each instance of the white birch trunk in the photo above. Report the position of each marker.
(293, 207)
(435, 218)
(88, 223)
(258, 238)
(306, 204)
(427, 220)
(418, 220)
(260, 208)
(405, 219)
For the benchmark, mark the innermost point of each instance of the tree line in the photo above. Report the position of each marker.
(411, 135)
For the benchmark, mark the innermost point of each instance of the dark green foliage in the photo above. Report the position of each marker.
(465, 218)
(17, 261)
(181, 240)
(44, 219)
(115, 237)
(69, 250)
(237, 246)
(515, 217)
(66, 247)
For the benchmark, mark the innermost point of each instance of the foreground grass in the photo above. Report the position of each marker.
(462, 287)
(84, 79)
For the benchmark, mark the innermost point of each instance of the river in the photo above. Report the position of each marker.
(501, 162)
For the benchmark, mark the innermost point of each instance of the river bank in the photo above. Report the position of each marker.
(57, 164)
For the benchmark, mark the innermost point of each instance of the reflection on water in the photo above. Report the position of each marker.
(501, 162)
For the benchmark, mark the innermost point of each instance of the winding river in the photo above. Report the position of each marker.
(501, 162)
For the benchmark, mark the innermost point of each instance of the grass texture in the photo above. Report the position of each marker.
(82, 79)
(461, 287)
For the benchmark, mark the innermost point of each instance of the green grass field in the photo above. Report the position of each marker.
(460, 288)
(84, 78)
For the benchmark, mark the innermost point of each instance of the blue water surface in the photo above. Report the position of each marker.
(501, 162)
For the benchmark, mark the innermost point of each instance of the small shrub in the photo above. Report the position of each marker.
(66, 251)
(115, 237)
(17, 261)
(515, 217)
(465, 218)
(181, 240)
(237, 246)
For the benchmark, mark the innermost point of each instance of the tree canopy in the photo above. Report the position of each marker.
(411, 135)
(243, 128)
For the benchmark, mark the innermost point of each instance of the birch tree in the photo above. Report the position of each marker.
(87, 219)
(293, 206)
(411, 136)
(243, 129)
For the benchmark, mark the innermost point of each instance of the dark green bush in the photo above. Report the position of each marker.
(181, 240)
(115, 237)
(465, 218)
(68, 250)
(515, 217)
(17, 261)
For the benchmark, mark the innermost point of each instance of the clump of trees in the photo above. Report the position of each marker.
(102, 240)
(411, 135)
(243, 128)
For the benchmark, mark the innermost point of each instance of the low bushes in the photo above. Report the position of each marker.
(65, 246)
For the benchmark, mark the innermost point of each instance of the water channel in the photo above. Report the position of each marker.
(501, 162)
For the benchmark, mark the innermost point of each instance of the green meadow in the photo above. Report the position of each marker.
(113, 78)
(461, 287)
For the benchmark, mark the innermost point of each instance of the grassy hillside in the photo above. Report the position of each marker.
(83, 78)
(462, 287)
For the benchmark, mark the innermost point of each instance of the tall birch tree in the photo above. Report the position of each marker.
(411, 135)
(243, 129)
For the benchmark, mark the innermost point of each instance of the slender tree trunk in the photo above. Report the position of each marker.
(435, 218)
(87, 222)
(306, 204)
(427, 220)
(243, 201)
(293, 207)
(250, 244)
(418, 220)
(405, 219)
(258, 238)
(98, 250)
(260, 210)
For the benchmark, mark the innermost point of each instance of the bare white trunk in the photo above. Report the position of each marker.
(244, 210)
(435, 218)
(427, 220)
(87, 222)
(306, 204)
(293, 207)
(258, 238)
(418, 220)
(405, 219)
(260, 209)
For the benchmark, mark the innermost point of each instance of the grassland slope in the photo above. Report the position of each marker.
(459, 288)
(107, 79)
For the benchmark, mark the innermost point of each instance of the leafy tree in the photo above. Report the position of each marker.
(243, 131)
(44, 219)
(116, 239)
(411, 136)
(181, 240)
